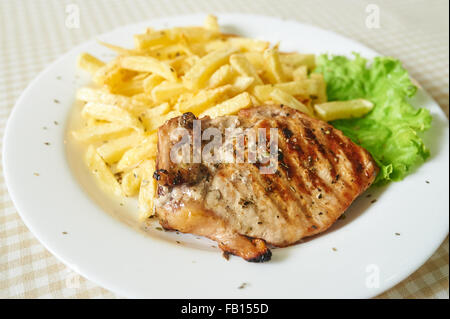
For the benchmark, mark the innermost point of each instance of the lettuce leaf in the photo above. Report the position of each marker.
(390, 132)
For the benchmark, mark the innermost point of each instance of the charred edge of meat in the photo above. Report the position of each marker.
(168, 178)
(187, 120)
(157, 174)
(185, 174)
(287, 132)
(266, 256)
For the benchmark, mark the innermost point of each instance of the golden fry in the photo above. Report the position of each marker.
(149, 64)
(211, 23)
(296, 59)
(222, 76)
(286, 99)
(102, 173)
(306, 88)
(131, 181)
(100, 132)
(204, 99)
(321, 96)
(113, 150)
(134, 156)
(89, 63)
(111, 113)
(230, 106)
(167, 91)
(331, 111)
(240, 63)
(274, 69)
(196, 77)
(300, 73)
(147, 189)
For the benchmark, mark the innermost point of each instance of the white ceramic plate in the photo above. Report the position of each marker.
(369, 259)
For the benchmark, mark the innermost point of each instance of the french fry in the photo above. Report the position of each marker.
(109, 74)
(156, 111)
(284, 98)
(177, 63)
(140, 101)
(104, 97)
(140, 77)
(186, 64)
(151, 81)
(211, 23)
(167, 91)
(170, 36)
(300, 73)
(256, 59)
(153, 123)
(131, 181)
(204, 48)
(130, 88)
(149, 39)
(296, 59)
(170, 51)
(90, 121)
(246, 44)
(149, 64)
(147, 189)
(274, 69)
(223, 75)
(118, 49)
(198, 75)
(304, 88)
(331, 111)
(288, 73)
(134, 156)
(204, 99)
(240, 63)
(113, 150)
(111, 113)
(89, 63)
(241, 83)
(100, 132)
(321, 96)
(230, 106)
(193, 34)
(102, 173)
(255, 101)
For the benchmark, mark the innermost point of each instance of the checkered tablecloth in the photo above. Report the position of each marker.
(33, 33)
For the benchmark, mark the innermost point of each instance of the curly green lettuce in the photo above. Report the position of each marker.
(390, 131)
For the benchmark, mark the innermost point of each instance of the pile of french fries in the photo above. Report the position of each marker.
(177, 70)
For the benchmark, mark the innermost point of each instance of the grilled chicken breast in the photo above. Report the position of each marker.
(320, 172)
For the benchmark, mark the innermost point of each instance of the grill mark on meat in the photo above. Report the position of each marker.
(324, 185)
(289, 166)
(313, 144)
(266, 187)
(295, 150)
(260, 189)
(351, 155)
(275, 196)
(324, 153)
(295, 179)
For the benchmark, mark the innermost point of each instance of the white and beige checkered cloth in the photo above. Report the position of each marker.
(33, 33)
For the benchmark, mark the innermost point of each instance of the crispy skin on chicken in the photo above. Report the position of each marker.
(320, 172)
